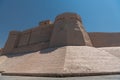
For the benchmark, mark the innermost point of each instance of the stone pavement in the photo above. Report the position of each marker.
(68, 59)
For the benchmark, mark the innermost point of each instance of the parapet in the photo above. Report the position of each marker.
(44, 23)
(68, 16)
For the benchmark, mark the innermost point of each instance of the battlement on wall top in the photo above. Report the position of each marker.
(68, 16)
(46, 22)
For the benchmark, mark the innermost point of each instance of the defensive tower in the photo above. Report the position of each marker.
(68, 30)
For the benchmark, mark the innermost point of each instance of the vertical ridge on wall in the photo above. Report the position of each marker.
(12, 41)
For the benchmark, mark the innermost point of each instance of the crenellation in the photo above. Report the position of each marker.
(44, 23)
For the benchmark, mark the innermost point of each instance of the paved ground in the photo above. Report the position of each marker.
(96, 60)
(115, 51)
(110, 77)
(67, 59)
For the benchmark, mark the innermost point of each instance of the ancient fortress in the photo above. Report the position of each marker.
(67, 30)
(62, 48)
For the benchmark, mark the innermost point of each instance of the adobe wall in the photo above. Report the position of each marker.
(68, 31)
(30, 40)
(100, 39)
(12, 41)
(1, 51)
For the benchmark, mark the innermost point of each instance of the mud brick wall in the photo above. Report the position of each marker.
(34, 39)
(69, 31)
(31, 48)
(100, 39)
(66, 30)
(41, 34)
(30, 40)
(12, 41)
(24, 38)
(1, 51)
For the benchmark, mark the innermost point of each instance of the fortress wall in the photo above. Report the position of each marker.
(1, 50)
(35, 35)
(35, 39)
(68, 30)
(30, 40)
(41, 34)
(24, 38)
(100, 39)
(31, 48)
(39, 39)
(12, 41)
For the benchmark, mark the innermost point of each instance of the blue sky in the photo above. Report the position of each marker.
(97, 15)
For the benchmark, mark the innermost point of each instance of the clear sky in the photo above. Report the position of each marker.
(97, 15)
